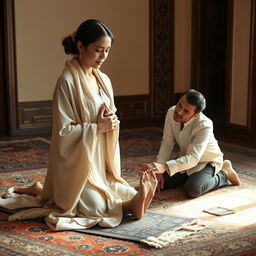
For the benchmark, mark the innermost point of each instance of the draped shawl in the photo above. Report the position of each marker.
(73, 144)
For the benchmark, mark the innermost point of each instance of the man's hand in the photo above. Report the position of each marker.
(155, 167)
(158, 169)
(160, 185)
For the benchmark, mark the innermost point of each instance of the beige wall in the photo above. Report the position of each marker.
(41, 25)
(240, 61)
(182, 41)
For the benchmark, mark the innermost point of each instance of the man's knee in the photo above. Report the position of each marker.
(192, 191)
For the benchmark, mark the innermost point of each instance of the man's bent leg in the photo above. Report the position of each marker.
(175, 180)
(205, 180)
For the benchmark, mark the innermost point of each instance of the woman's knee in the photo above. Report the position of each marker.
(94, 200)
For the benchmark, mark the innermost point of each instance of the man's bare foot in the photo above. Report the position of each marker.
(35, 189)
(231, 173)
(140, 202)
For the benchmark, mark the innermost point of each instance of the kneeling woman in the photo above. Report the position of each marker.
(83, 185)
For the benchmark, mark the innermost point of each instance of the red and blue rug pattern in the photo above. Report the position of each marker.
(24, 153)
(24, 162)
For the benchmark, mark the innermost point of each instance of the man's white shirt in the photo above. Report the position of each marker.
(196, 141)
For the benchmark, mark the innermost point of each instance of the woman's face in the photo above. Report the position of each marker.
(94, 55)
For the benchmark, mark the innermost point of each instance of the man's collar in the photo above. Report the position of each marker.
(190, 121)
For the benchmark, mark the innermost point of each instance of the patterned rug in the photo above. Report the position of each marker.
(233, 234)
(143, 143)
(24, 153)
(237, 231)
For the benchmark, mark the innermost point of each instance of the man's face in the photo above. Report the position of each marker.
(184, 111)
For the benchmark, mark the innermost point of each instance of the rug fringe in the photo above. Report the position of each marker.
(173, 235)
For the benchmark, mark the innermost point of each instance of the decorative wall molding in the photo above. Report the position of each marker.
(36, 116)
(162, 56)
(132, 107)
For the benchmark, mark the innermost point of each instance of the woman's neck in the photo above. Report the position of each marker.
(87, 70)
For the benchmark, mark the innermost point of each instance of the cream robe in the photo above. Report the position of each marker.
(83, 186)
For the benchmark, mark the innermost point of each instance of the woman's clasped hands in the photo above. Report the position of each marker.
(107, 120)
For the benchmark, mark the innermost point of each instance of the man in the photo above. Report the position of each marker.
(199, 165)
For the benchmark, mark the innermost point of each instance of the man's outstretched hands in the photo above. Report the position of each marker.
(158, 169)
(155, 167)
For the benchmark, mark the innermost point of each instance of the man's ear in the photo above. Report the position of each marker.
(196, 115)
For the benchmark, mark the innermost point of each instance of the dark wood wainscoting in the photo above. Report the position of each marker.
(133, 111)
(35, 117)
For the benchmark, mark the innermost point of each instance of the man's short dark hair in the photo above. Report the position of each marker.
(197, 99)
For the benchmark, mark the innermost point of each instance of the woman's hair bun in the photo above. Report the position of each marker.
(88, 32)
(69, 45)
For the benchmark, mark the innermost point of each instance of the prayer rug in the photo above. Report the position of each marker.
(152, 227)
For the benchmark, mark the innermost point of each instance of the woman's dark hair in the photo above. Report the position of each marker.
(88, 32)
(197, 99)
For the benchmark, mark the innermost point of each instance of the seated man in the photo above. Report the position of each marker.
(199, 165)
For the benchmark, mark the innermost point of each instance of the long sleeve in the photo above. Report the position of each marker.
(167, 142)
(72, 139)
(194, 152)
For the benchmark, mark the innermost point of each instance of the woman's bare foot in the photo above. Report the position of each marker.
(34, 190)
(152, 190)
(231, 173)
(140, 202)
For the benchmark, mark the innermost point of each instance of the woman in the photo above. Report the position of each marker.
(83, 186)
